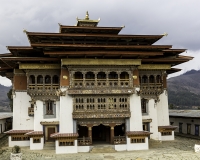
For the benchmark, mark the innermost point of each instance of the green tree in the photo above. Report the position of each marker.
(9, 94)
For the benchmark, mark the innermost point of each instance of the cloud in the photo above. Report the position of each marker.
(180, 19)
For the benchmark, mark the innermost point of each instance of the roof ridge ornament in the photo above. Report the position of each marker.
(165, 34)
(24, 30)
(87, 16)
(86, 22)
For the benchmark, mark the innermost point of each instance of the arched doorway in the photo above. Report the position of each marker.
(101, 134)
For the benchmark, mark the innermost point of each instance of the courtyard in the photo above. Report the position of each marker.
(179, 149)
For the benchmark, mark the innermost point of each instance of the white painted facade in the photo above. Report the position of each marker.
(166, 137)
(136, 113)
(18, 143)
(162, 110)
(137, 146)
(184, 122)
(66, 149)
(156, 111)
(66, 110)
(21, 120)
(36, 146)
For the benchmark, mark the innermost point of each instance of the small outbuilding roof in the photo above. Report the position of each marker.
(184, 113)
(4, 115)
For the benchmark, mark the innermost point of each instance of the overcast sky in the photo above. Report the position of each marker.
(180, 19)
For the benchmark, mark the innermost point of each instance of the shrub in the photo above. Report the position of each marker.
(16, 149)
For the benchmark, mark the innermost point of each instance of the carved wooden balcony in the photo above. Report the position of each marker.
(151, 89)
(101, 86)
(30, 111)
(85, 141)
(43, 91)
(119, 140)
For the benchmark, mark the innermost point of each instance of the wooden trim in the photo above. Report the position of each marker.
(102, 46)
(100, 61)
(155, 66)
(102, 52)
(39, 66)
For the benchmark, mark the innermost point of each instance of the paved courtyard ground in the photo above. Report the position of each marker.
(180, 149)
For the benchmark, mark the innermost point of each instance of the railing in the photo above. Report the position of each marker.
(90, 83)
(151, 88)
(120, 140)
(43, 87)
(30, 111)
(85, 141)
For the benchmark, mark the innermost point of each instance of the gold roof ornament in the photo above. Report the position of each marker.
(87, 22)
(165, 34)
(87, 16)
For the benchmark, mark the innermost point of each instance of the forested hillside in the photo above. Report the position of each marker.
(3, 96)
(184, 90)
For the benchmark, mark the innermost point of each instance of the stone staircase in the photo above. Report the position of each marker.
(49, 146)
(103, 149)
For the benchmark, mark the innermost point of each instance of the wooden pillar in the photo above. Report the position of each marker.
(112, 134)
(165, 81)
(90, 133)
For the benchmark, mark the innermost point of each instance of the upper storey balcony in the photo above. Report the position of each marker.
(43, 86)
(100, 82)
(151, 85)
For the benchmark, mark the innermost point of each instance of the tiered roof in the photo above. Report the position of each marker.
(86, 40)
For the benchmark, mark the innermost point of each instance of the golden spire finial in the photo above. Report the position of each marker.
(87, 16)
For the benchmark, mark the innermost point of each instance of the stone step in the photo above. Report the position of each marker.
(103, 149)
(49, 146)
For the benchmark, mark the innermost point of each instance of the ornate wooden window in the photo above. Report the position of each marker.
(20, 138)
(158, 79)
(47, 79)
(49, 107)
(66, 143)
(101, 75)
(39, 79)
(36, 140)
(101, 103)
(137, 140)
(144, 79)
(113, 75)
(79, 104)
(55, 79)
(78, 75)
(169, 133)
(151, 79)
(32, 79)
(144, 105)
(89, 75)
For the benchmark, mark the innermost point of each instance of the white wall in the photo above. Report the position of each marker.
(185, 121)
(120, 147)
(66, 110)
(36, 146)
(2, 123)
(84, 148)
(66, 149)
(18, 143)
(21, 120)
(137, 146)
(166, 138)
(39, 115)
(162, 110)
(152, 115)
(136, 113)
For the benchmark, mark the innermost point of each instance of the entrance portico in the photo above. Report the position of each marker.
(101, 131)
